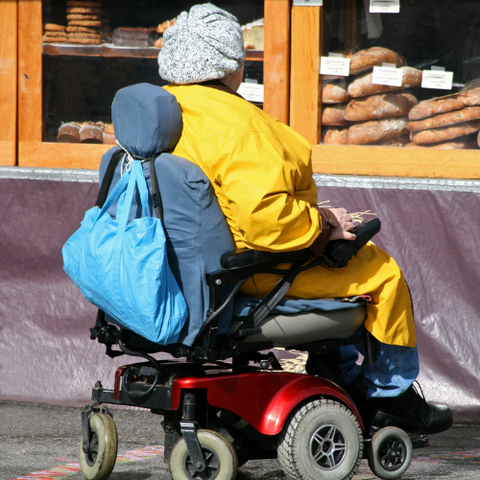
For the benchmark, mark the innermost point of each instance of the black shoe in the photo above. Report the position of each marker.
(410, 412)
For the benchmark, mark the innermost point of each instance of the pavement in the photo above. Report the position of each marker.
(41, 442)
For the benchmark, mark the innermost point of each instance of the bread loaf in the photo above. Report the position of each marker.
(383, 105)
(69, 133)
(444, 134)
(166, 25)
(395, 142)
(365, 60)
(333, 115)
(363, 86)
(461, 143)
(445, 119)
(376, 131)
(334, 136)
(447, 103)
(335, 92)
(91, 133)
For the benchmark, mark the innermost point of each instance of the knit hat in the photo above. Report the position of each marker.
(205, 43)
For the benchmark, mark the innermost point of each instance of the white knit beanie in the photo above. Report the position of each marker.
(205, 43)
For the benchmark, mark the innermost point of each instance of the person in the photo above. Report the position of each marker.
(261, 172)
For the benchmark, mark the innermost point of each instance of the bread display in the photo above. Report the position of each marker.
(376, 131)
(371, 114)
(86, 132)
(363, 86)
(379, 106)
(87, 24)
(365, 60)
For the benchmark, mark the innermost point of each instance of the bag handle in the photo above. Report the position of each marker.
(135, 179)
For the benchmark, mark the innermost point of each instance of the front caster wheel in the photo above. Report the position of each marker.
(220, 459)
(98, 463)
(390, 453)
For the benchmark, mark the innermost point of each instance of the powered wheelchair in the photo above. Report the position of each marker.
(221, 389)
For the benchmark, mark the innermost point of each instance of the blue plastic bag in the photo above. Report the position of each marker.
(122, 267)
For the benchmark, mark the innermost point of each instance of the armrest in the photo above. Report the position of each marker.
(339, 252)
(247, 257)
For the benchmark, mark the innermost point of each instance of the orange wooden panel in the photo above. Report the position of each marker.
(61, 155)
(276, 64)
(305, 65)
(30, 29)
(8, 82)
(396, 162)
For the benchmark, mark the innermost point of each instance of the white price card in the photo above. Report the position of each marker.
(387, 76)
(438, 79)
(384, 6)
(307, 3)
(337, 66)
(252, 92)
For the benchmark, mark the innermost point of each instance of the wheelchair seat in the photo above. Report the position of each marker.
(147, 122)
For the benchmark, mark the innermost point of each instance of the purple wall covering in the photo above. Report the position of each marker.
(46, 354)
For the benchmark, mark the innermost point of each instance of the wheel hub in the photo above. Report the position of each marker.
(392, 455)
(327, 447)
(212, 466)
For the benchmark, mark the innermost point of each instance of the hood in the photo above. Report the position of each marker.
(147, 119)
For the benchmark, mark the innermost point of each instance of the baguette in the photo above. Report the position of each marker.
(460, 143)
(447, 103)
(379, 106)
(367, 59)
(334, 136)
(376, 131)
(395, 142)
(444, 134)
(363, 86)
(333, 115)
(445, 119)
(335, 92)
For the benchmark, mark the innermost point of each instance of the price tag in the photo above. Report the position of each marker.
(387, 76)
(384, 6)
(307, 3)
(252, 92)
(438, 79)
(337, 66)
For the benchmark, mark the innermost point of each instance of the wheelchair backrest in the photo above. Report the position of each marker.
(147, 122)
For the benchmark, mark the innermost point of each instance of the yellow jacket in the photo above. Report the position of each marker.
(260, 168)
(262, 175)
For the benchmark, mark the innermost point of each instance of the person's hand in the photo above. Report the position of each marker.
(342, 232)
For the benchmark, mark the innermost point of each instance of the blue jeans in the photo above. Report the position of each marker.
(392, 374)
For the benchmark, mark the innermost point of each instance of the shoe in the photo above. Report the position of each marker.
(410, 412)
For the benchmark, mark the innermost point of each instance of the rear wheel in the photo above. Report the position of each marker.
(98, 463)
(220, 459)
(322, 440)
(390, 453)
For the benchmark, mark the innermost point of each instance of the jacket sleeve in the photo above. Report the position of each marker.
(270, 190)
